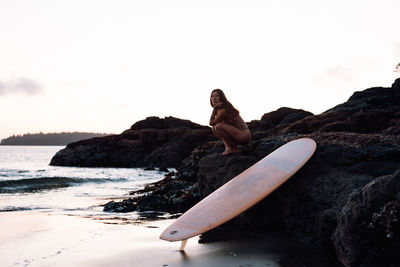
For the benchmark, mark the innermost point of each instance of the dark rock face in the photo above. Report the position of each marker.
(368, 232)
(345, 200)
(167, 123)
(127, 205)
(151, 142)
(171, 195)
(274, 121)
(307, 204)
(375, 110)
(396, 84)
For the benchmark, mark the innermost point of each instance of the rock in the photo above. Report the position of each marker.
(370, 111)
(273, 121)
(283, 116)
(127, 205)
(355, 146)
(344, 201)
(166, 123)
(216, 170)
(189, 167)
(152, 142)
(170, 195)
(388, 221)
(305, 206)
(153, 202)
(396, 84)
(368, 232)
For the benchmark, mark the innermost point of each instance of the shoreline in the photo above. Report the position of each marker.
(38, 239)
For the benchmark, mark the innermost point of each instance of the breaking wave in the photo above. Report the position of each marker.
(31, 185)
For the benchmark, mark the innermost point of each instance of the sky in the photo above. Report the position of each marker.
(102, 65)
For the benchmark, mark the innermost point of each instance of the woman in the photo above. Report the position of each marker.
(227, 124)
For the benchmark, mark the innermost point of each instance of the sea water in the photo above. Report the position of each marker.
(28, 182)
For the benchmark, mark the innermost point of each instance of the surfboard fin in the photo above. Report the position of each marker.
(183, 245)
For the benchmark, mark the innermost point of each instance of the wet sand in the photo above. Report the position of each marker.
(38, 239)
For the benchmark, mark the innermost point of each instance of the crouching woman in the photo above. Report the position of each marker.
(227, 124)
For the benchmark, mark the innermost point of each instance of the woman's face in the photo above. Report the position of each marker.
(215, 98)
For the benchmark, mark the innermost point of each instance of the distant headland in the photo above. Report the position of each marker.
(48, 139)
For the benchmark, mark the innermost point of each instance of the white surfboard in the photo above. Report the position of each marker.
(242, 192)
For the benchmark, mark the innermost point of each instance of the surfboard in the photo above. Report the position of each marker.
(242, 192)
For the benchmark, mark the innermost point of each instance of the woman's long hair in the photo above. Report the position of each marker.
(225, 103)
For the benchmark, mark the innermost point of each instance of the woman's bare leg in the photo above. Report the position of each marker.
(231, 136)
(226, 139)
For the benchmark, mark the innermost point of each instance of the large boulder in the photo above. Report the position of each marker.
(368, 231)
(165, 123)
(272, 122)
(375, 110)
(396, 84)
(152, 142)
(306, 205)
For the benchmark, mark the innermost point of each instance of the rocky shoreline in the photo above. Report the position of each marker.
(345, 200)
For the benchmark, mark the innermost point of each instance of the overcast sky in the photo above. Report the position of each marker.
(100, 66)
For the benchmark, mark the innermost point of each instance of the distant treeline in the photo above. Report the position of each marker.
(47, 139)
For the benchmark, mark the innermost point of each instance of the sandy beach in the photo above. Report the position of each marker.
(38, 239)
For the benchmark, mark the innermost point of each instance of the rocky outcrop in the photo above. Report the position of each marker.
(396, 84)
(342, 164)
(215, 170)
(375, 110)
(151, 142)
(170, 194)
(271, 123)
(368, 231)
(358, 145)
(345, 200)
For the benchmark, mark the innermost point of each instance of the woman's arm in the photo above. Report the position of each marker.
(218, 115)
(213, 115)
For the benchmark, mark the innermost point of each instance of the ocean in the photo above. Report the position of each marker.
(27, 182)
